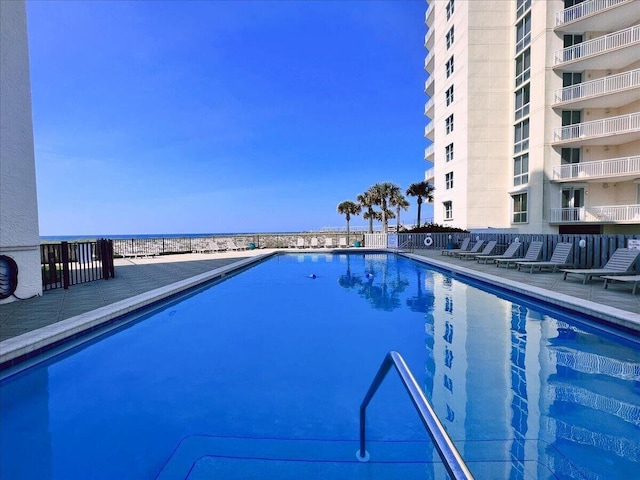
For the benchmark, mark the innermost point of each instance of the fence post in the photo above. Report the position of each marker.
(64, 253)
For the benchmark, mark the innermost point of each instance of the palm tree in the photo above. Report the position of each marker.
(400, 202)
(367, 201)
(421, 190)
(348, 208)
(384, 191)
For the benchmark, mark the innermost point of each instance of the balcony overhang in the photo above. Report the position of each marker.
(606, 60)
(597, 16)
(613, 99)
(429, 39)
(429, 153)
(429, 86)
(605, 214)
(603, 139)
(429, 176)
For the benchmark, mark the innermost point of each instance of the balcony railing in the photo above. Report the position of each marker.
(601, 214)
(429, 12)
(598, 128)
(601, 86)
(428, 59)
(428, 106)
(584, 9)
(428, 151)
(428, 175)
(599, 45)
(428, 37)
(428, 129)
(615, 167)
(428, 85)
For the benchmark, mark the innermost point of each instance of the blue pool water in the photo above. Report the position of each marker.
(261, 376)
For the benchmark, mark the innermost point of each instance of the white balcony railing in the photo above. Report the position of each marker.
(599, 45)
(615, 167)
(585, 9)
(428, 175)
(428, 106)
(428, 59)
(428, 151)
(428, 129)
(601, 214)
(601, 86)
(598, 128)
(429, 12)
(428, 84)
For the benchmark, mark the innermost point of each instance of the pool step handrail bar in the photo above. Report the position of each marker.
(453, 461)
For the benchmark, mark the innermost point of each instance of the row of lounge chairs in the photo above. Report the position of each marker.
(618, 268)
(221, 245)
(315, 243)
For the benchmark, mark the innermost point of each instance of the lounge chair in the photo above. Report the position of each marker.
(510, 252)
(633, 279)
(558, 259)
(342, 242)
(475, 249)
(620, 263)
(328, 242)
(314, 242)
(301, 243)
(533, 252)
(488, 248)
(463, 247)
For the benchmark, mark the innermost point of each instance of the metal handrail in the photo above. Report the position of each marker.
(452, 459)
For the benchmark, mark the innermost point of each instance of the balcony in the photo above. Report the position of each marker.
(608, 131)
(601, 214)
(622, 169)
(428, 108)
(428, 86)
(428, 15)
(621, 49)
(428, 153)
(607, 92)
(428, 131)
(596, 16)
(429, 176)
(429, 61)
(429, 39)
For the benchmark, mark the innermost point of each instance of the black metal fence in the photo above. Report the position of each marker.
(65, 264)
(589, 251)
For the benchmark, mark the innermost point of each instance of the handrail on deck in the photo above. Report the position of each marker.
(452, 459)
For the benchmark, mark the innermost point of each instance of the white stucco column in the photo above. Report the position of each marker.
(19, 233)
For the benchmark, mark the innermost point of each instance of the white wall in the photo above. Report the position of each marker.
(19, 234)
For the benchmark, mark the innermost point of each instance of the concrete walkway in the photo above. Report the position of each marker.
(136, 276)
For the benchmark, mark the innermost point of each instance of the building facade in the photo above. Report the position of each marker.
(533, 114)
(19, 232)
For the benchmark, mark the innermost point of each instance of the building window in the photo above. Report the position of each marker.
(569, 155)
(449, 9)
(521, 136)
(448, 152)
(522, 102)
(571, 40)
(520, 208)
(449, 95)
(571, 78)
(523, 33)
(522, 6)
(448, 210)
(523, 67)
(449, 66)
(448, 124)
(450, 37)
(448, 181)
(521, 170)
(571, 117)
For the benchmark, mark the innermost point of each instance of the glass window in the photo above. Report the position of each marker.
(522, 102)
(571, 40)
(448, 124)
(449, 66)
(448, 152)
(521, 136)
(523, 32)
(522, 6)
(448, 180)
(570, 155)
(571, 78)
(448, 210)
(449, 9)
(450, 37)
(520, 208)
(521, 170)
(523, 67)
(571, 117)
(449, 95)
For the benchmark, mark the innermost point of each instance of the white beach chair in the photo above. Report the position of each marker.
(342, 242)
(301, 243)
(328, 242)
(314, 242)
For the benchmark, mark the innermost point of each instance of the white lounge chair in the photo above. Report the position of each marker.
(314, 242)
(342, 242)
(510, 252)
(558, 259)
(533, 252)
(620, 263)
(328, 242)
(300, 243)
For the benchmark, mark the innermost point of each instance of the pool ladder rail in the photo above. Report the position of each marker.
(450, 456)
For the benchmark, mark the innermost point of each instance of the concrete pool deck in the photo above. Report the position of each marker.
(26, 326)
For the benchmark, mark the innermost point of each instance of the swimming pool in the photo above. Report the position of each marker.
(263, 374)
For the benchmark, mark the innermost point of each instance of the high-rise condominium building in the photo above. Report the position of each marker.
(534, 114)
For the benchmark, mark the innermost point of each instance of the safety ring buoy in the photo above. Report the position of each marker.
(428, 241)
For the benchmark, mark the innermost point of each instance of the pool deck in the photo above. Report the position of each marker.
(29, 325)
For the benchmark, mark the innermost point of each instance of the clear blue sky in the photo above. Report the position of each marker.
(222, 116)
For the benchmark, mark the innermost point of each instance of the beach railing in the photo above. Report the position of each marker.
(65, 264)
